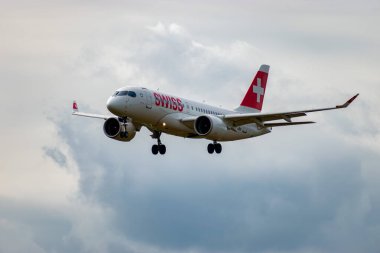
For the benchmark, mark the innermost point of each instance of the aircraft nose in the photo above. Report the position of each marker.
(112, 105)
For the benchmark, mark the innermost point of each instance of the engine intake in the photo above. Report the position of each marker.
(211, 127)
(203, 125)
(117, 130)
(112, 127)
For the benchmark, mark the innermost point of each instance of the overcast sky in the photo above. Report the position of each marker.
(65, 187)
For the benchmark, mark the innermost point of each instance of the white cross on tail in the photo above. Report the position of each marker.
(258, 90)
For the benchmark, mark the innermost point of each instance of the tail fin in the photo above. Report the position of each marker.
(254, 98)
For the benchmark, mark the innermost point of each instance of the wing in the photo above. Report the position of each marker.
(261, 118)
(90, 115)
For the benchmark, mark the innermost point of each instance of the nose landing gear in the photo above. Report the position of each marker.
(124, 132)
(217, 147)
(159, 147)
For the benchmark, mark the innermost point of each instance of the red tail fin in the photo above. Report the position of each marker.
(254, 98)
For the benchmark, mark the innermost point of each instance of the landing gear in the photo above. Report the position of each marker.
(159, 147)
(217, 147)
(123, 132)
(210, 148)
(162, 149)
(155, 149)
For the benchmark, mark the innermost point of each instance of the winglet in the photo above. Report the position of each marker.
(75, 106)
(348, 102)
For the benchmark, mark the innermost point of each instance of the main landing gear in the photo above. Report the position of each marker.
(159, 147)
(217, 147)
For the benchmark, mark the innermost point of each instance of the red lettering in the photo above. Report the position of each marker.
(174, 104)
(180, 105)
(171, 102)
(167, 101)
(157, 98)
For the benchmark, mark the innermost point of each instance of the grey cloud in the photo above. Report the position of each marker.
(282, 205)
(56, 155)
(28, 227)
(310, 196)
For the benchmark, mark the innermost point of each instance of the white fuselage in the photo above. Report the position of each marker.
(165, 113)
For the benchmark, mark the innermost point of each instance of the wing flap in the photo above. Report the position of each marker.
(247, 118)
(278, 124)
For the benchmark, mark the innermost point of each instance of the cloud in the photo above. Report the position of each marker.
(311, 197)
(56, 155)
(244, 207)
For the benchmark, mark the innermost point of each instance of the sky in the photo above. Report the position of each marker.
(66, 187)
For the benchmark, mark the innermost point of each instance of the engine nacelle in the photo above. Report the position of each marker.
(210, 126)
(117, 130)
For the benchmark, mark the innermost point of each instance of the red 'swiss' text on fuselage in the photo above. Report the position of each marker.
(168, 102)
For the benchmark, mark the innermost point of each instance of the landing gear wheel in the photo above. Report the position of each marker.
(159, 147)
(210, 148)
(218, 148)
(162, 149)
(155, 149)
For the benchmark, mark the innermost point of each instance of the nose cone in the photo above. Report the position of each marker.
(114, 106)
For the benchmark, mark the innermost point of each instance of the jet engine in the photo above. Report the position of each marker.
(118, 130)
(210, 126)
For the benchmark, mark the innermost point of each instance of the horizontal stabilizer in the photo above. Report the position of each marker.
(288, 123)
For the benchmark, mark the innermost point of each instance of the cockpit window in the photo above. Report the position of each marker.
(122, 93)
(125, 93)
(132, 94)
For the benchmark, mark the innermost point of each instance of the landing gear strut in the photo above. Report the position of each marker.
(159, 147)
(217, 147)
(123, 132)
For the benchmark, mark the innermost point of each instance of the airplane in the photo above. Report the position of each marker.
(137, 107)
